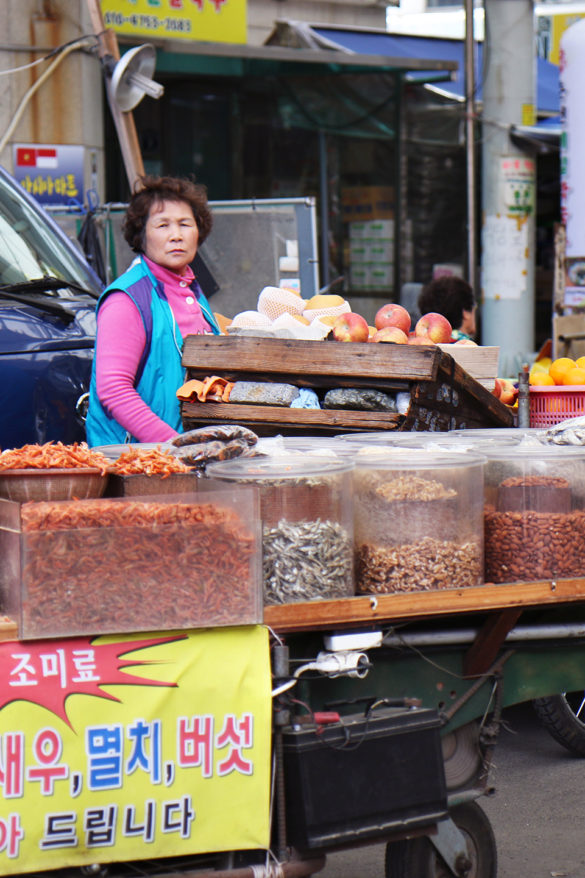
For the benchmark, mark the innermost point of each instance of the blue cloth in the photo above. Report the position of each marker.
(307, 399)
(160, 372)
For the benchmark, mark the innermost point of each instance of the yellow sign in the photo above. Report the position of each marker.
(216, 21)
(559, 24)
(133, 747)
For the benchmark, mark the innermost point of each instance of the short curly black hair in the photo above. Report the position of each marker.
(449, 296)
(151, 190)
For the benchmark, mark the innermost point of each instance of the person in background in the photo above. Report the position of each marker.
(452, 297)
(144, 315)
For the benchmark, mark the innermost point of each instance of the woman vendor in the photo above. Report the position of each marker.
(144, 315)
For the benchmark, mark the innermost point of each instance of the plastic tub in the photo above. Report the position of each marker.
(418, 521)
(307, 524)
(535, 513)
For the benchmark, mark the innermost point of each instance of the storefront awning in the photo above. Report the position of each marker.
(281, 58)
(376, 42)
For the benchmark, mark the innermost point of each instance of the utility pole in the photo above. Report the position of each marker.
(508, 183)
(124, 122)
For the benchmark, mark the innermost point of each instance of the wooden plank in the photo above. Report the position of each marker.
(376, 609)
(276, 416)
(483, 652)
(8, 629)
(479, 361)
(233, 357)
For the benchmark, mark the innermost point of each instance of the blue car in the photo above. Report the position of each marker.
(48, 293)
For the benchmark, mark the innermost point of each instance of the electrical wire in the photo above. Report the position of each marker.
(84, 42)
(46, 57)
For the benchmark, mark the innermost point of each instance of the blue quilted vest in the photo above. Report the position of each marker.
(160, 372)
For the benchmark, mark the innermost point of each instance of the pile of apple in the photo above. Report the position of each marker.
(393, 324)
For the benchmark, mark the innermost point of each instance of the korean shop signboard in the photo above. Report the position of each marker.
(52, 173)
(216, 21)
(133, 747)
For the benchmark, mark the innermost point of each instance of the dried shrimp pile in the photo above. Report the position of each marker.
(149, 462)
(53, 455)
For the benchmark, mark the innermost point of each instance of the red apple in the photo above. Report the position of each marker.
(420, 339)
(468, 342)
(509, 392)
(435, 326)
(497, 391)
(350, 327)
(393, 315)
(391, 334)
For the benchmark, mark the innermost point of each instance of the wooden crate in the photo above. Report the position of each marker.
(443, 396)
(479, 361)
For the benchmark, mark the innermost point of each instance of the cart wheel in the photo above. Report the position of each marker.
(417, 858)
(563, 716)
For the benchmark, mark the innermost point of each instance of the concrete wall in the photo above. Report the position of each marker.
(354, 13)
(67, 107)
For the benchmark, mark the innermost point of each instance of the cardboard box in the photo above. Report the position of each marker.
(367, 203)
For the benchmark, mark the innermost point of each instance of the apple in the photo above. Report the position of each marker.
(509, 392)
(392, 334)
(435, 326)
(468, 342)
(393, 315)
(350, 327)
(497, 391)
(420, 339)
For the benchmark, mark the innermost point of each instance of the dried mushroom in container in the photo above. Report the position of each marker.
(307, 524)
(534, 513)
(418, 521)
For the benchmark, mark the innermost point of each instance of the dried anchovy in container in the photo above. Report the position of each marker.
(307, 519)
(418, 521)
(307, 561)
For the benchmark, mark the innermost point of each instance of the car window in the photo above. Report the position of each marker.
(31, 246)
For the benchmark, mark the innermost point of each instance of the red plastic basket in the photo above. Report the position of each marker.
(551, 405)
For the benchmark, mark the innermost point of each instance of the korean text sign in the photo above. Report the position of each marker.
(132, 747)
(216, 21)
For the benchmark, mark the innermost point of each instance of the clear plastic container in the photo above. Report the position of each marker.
(114, 565)
(307, 524)
(418, 521)
(535, 513)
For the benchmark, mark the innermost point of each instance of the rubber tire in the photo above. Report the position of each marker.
(417, 857)
(559, 719)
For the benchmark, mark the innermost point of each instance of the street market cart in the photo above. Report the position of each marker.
(189, 727)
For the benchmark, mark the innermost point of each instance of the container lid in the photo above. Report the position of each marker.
(285, 446)
(261, 469)
(417, 458)
(538, 452)
(113, 452)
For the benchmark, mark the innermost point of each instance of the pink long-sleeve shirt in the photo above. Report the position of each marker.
(120, 342)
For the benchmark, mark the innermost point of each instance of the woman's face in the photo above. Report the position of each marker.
(171, 235)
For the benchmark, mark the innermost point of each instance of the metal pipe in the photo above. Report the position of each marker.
(470, 145)
(324, 208)
(295, 869)
(520, 634)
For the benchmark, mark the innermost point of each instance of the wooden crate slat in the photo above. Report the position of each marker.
(268, 356)
(281, 415)
(388, 608)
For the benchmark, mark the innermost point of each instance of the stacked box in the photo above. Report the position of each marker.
(371, 255)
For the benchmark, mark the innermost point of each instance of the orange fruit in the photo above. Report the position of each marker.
(558, 368)
(540, 379)
(574, 376)
(580, 362)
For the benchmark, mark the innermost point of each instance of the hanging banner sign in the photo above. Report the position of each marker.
(52, 173)
(216, 21)
(518, 186)
(133, 747)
